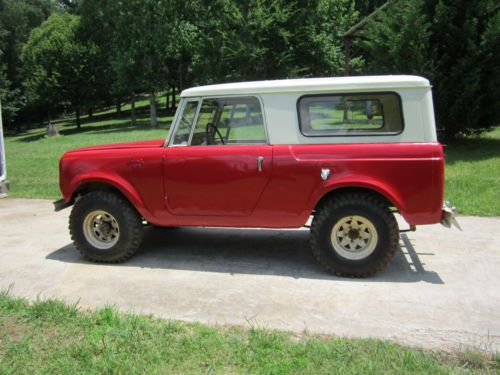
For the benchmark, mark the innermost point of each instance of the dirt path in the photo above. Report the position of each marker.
(442, 290)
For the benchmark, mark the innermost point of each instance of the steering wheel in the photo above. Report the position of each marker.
(210, 131)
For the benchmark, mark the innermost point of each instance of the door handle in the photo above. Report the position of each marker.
(260, 159)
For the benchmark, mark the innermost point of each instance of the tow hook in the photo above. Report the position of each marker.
(448, 218)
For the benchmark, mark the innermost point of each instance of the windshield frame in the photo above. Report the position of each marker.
(175, 122)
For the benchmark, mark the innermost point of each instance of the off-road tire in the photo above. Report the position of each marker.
(129, 221)
(331, 212)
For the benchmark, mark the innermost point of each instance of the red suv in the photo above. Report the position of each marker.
(348, 152)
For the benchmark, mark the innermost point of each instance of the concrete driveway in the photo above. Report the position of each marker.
(441, 291)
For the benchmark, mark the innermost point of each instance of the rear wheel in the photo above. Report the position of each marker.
(105, 227)
(354, 235)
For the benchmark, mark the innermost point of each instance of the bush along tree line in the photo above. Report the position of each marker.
(78, 55)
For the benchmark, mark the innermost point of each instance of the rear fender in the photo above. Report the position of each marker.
(379, 187)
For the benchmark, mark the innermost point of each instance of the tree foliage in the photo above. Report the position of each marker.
(266, 39)
(152, 45)
(455, 43)
(141, 45)
(97, 26)
(246, 40)
(144, 42)
(92, 53)
(366, 7)
(17, 19)
(59, 65)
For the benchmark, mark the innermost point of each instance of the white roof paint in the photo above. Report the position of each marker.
(379, 83)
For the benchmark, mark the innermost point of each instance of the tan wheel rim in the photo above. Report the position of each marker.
(101, 229)
(354, 237)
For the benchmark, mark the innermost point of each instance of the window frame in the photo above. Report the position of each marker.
(330, 133)
(259, 99)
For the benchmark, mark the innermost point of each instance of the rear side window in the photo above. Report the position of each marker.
(350, 114)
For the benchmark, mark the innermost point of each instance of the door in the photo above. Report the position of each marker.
(226, 164)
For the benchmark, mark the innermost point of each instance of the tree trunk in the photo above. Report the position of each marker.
(347, 56)
(173, 97)
(119, 107)
(167, 100)
(132, 110)
(91, 112)
(181, 83)
(345, 113)
(78, 122)
(152, 106)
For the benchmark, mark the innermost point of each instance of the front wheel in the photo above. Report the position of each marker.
(105, 227)
(354, 235)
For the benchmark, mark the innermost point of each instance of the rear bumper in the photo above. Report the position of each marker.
(4, 188)
(448, 216)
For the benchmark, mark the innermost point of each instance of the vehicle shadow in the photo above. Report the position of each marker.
(249, 251)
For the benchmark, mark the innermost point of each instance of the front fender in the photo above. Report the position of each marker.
(113, 180)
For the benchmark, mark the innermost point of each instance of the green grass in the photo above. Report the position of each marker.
(473, 174)
(51, 337)
(472, 164)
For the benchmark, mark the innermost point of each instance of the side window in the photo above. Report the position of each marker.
(350, 114)
(206, 123)
(230, 121)
(183, 130)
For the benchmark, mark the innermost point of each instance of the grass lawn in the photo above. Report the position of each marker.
(50, 337)
(472, 165)
(33, 159)
(473, 174)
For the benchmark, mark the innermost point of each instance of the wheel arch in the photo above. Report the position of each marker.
(123, 189)
(89, 186)
(383, 196)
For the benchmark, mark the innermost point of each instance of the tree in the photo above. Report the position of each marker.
(98, 27)
(17, 19)
(250, 40)
(398, 40)
(59, 66)
(269, 39)
(143, 40)
(455, 43)
(366, 7)
(182, 45)
(466, 36)
(67, 5)
(11, 97)
(319, 34)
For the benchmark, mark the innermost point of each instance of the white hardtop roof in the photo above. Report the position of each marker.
(306, 85)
